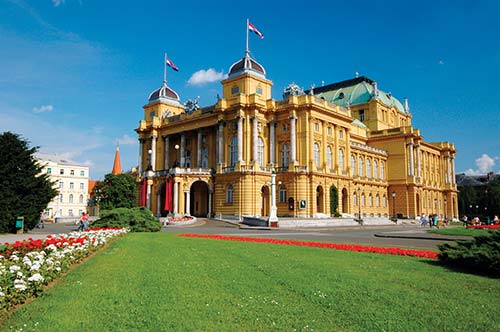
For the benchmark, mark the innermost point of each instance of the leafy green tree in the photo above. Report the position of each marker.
(25, 191)
(116, 191)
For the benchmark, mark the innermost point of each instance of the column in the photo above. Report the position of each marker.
(273, 217)
(240, 139)
(141, 148)
(188, 202)
(220, 137)
(419, 162)
(272, 149)
(452, 170)
(293, 140)
(411, 169)
(198, 152)
(153, 152)
(448, 169)
(255, 136)
(183, 150)
(175, 199)
(166, 144)
(209, 204)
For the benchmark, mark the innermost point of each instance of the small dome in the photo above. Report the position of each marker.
(164, 93)
(246, 65)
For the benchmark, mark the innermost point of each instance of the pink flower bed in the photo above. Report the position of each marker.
(485, 226)
(348, 247)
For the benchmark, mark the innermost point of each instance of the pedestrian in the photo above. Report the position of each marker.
(84, 222)
(435, 220)
(423, 220)
(41, 221)
(464, 220)
(496, 221)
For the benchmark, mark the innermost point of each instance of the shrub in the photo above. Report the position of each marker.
(482, 254)
(138, 219)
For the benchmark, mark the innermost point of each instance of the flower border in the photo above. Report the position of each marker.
(327, 245)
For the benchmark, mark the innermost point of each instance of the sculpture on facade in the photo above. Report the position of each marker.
(192, 105)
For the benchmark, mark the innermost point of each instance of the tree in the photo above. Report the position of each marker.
(116, 191)
(25, 191)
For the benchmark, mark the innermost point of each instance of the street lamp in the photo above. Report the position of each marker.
(360, 220)
(394, 206)
(150, 167)
(176, 147)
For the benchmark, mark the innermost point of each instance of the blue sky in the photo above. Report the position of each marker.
(74, 74)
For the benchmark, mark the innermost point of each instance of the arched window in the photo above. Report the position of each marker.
(363, 199)
(353, 165)
(385, 201)
(370, 200)
(375, 169)
(341, 159)
(260, 152)
(70, 198)
(229, 193)
(354, 199)
(316, 154)
(282, 194)
(360, 166)
(368, 168)
(285, 155)
(233, 151)
(329, 157)
(204, 157)
(80, 199)
(377, 200)
(382, 170)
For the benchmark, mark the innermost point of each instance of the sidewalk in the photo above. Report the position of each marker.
(39, 233)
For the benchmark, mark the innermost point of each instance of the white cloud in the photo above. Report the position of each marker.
(484, 165)
(57, 2)
(127, 140)
(43, 109)
(206, 76)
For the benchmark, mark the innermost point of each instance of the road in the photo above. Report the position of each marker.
(400, 236)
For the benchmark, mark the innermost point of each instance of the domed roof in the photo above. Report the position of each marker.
(165, 94)
(357, 91)
(247, 65)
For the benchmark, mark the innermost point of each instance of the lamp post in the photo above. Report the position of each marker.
(273, 217)
(394, 218)
(360, 220)
(176, 147)
(150, 167)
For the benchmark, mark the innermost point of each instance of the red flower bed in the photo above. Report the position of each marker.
(180, 219)
(348, 247)
(485, 226)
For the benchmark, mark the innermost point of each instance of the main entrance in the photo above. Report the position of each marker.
(199, 199)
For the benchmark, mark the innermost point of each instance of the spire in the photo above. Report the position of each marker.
(117, 168)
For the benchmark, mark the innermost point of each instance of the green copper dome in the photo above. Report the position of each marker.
(357, 91)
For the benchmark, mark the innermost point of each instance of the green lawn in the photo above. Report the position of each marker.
(158, 282)
(462, 231)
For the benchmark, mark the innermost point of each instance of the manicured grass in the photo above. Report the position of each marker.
(159, 282)
(462, 231)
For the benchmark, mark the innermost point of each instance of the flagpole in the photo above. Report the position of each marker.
(246, 49)
(165, 69)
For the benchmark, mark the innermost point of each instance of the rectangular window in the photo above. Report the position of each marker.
(341, 133)
(72, 172)
(61, 184)
(282, 198)
(70, 212)
(49, 170)
(258, 91)
(316, 127)
(361, 115)
(71, 185)
(82, 173)
(235, 90)
(61, 198)
(329, 130)
(81, 186)
(61, 171)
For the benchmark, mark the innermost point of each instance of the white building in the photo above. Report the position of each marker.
(72, 182)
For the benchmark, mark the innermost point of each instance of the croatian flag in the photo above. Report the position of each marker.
(171, 64)
(254, 29)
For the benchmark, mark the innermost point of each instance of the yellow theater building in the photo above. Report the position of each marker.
(342, 149)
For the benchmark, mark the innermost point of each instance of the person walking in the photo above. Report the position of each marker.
(84, 222)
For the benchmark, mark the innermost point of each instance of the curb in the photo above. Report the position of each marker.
(417, 237)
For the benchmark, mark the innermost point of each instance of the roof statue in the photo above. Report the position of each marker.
(192, 105)
(292, 90)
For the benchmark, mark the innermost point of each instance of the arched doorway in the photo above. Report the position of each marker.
(264, 209)
(199, 199)
(345, 201)
(319, 199)
(334, 201)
